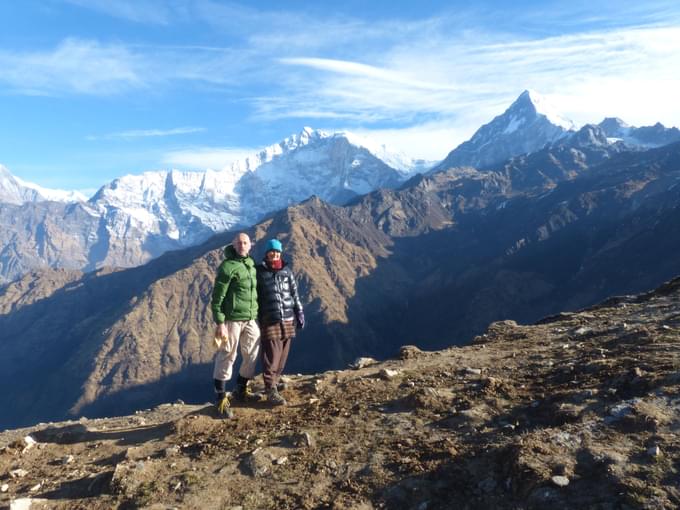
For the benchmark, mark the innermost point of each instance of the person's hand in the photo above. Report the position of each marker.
(221, 331)
(300, 319)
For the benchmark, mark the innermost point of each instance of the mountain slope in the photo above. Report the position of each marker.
(526, 126)
(431, 263)
(646, 136)
(577, 411)
(138, 217)
(17, 191)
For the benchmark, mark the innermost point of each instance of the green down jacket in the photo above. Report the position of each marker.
(234, 295)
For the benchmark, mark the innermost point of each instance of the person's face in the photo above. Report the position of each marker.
(241, 244)
(273, 255)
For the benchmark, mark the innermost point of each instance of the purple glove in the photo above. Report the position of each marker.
(300, 318)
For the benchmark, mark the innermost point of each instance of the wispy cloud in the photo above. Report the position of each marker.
(473, 80)
(155, 12)
(88, 67)
(77, 66)
(200, 158)
(146, 133)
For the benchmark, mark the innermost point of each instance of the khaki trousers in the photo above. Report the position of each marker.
(247, 335)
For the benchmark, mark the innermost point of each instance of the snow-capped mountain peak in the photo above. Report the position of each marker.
(14, 190)
(542, 106)
(529, 123)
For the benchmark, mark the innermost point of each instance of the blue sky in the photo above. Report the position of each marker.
(94, 89)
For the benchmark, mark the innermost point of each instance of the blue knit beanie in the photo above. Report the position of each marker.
(273, 244)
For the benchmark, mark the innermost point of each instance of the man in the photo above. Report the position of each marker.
(280, 312)
(234, 308)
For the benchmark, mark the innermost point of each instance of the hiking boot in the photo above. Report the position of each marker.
(242, 392)
(275, 398)
(222, 406)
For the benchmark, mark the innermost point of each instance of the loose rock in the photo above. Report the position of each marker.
(360, 363)
(560, 481)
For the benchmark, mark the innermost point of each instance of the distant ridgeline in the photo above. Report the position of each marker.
(431, 263)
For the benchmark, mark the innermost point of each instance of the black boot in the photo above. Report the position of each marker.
(242, 393)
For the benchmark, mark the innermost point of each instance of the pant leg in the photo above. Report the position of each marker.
(269, 361)
(283, 357)
(226, 354)
(250, 348)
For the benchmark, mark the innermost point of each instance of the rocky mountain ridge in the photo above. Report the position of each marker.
(138, 217)
(433, 262)
(579, 410)
(531, 123)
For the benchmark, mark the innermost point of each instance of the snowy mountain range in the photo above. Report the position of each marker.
(531, 123)
(138, 217)
(14, 190)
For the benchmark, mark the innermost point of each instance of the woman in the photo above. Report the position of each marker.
(280, 312)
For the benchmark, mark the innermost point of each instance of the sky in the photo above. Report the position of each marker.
(91, 90)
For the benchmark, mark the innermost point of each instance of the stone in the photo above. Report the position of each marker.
(654, 451)
(4, 487)
(560, 481)
(29, 443)
(281, 460)
(304, 439)
(18, 473)
(256, 464)
(67, 460)
(473, 371)
(35, 488)
(409, 352)
(360, 363)
(387, 373)
(171, 451)
(21, 504)
(582, 331)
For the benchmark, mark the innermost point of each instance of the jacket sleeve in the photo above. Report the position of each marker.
(297, 304)
(219, 293)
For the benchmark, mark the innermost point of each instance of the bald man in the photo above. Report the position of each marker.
(234, 309)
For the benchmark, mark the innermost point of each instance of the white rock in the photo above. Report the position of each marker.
(29, 442)
(362, 363)
(21, 504)
(473, 371)
(18, 473)
(36, 487)
(4, 487)
(281, 460)
(560, 481)
(68, 459)
(654, 451)
(388, 373)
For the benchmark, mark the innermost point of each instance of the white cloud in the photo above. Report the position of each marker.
(431, 141)
(146, 133)
(201, 158)
(77, 66)
(448, 76)
(89, 67)
(155, 12)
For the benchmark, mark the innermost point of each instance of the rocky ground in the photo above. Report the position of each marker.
(578, 411)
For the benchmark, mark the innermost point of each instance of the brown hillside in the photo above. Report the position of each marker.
(577, 411)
